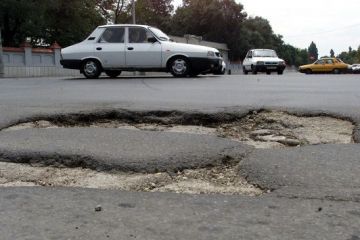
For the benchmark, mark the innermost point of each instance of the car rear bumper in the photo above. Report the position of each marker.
(71, 63)
(270, 68)
(209, 65)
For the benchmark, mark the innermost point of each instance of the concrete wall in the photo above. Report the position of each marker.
(34, 62)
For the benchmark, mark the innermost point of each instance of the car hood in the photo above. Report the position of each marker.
(306, 66)
(187, 47)
(268, 59)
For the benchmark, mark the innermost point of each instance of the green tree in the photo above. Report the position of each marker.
(114, 11)
(48, 21)
(155, 13)
(214, 20)
(332, 53)
(313, 52)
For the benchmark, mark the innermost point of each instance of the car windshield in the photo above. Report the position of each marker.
(159, 34)
(265, 53)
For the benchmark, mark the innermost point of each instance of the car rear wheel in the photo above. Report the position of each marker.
(113, 73)
(179, 67)
(268, 73)
(91, 69)
(280, 72)
(336, 71)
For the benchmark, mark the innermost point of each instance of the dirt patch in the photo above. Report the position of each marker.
(217, 180)
(265, 129)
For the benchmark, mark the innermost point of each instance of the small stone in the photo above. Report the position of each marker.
(260, 132)
(270, 138)
(290, 142)
(43, 124)
(98, 208)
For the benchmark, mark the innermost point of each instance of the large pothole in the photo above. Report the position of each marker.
(264, 129)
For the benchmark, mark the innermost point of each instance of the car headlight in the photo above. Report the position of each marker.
(211, 54)
(260, 63)
(281, 63)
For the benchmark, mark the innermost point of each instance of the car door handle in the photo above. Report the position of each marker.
(130, 48)
(99, 48)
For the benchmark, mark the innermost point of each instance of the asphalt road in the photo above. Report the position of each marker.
(314, 190)
(325, 92)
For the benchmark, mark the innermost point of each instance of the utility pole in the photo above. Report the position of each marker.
(133, 12)
(1, 58)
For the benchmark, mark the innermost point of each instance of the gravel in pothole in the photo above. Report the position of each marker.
(266, 129)
(216, 180)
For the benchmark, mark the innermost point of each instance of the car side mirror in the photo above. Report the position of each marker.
(249, 56)
(152, 40)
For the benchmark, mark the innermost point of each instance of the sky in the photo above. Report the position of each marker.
(331, 24)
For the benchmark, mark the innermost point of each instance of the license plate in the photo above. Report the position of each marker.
(271, 67)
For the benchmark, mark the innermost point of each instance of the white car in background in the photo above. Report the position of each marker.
(263, 60)
(115, 48)
(355, 68)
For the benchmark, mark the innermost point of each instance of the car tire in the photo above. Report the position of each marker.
(91, 69)
(245, 71)
(308, 71)
(280, 72)
(113, 73)
(336, 71)
(253, 70)
(179, 66)
(268, 73)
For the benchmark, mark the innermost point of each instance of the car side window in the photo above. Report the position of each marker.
(320, 62)
(329, 61)
(113, 35)
(139, 35)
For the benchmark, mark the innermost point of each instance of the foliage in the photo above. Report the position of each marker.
(214, 20)
(350, 57)
(68, 22)
(46, 21)
(332, 53)
(113, 11)
(313, 52)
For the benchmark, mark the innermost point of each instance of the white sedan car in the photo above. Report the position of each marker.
(115, 48)
(263, 60)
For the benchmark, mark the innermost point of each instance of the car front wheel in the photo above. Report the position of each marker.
(245, 71)
(179, 67)
(91, 69)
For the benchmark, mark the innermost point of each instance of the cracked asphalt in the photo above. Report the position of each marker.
(315, 190)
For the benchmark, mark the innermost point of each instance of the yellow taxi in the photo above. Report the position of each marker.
(325, 65)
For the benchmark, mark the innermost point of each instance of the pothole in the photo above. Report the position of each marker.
(265, 129)
(216, 180)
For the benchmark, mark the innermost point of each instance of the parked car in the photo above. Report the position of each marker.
(115, 48)
(263, 60)
(325, 65)
(355, 68)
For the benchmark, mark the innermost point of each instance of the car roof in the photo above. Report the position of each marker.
(262, 49)
(123, 25)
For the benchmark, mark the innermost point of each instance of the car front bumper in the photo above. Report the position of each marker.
(206, 65)
(269, 68)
